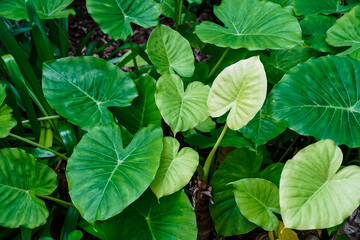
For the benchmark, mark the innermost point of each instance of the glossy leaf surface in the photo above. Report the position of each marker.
(45, 9)
(346, 33)
(176, 168)
(321, 184)
(252, 24)
(21, 177)
(182, 110)
(308, 7)
(143, 111)
(82, 88)
(321, 98)
(104, 178)
(172, 218)
(169, 51)
(257, 200)
(115, 16)
(240, 88)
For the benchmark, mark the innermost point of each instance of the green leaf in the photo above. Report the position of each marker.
(176, 168)
(195, 1)
(169, 52)
(313, 193)
(181, 110)
(257, 200)
(104, 178)
(262, 128)
(281, 61)
(321, 98)
(240, 88)
(143, 110)
(314, 28)
(75, 235)
(308, 7)
(81, 89)
(172, 218)
(46, 9)
(231, 139)
(346, 33)
(21, 178)
(252, 24)
(6, 121)
(283, 3)
(115, 16)
(239, 164)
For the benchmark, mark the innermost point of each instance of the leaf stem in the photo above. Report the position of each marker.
(43, 119)
(209, 159)
(134, 57)
(218, 63)
(288, 149)
(176, 14)
(58, 201)
(180, 11)
(38, 146)
(64, 36)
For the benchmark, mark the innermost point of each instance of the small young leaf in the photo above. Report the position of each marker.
(6, 121)
(240, 88)
(176, 168)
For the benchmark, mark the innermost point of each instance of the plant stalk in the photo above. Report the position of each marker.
(288, 149)
(209, 159)
(134, 57)
(176, 14)
(58, 201)
(43, 119)
(218, 63)
(180, 12)
(64, 36)
(39, 146)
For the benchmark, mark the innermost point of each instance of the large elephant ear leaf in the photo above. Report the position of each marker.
(346, 33)
(258, 200)
(45, 9)
(143, 111)
(104, 178)
(172, 218)
(182, 110)
(309, 7)
(252, 24)
(311, 179)
(321, 98)
(21, 179)
(82, 88)
(176, 168)
(6, 120)
(169, 52)
(115, 16)
(240, 88)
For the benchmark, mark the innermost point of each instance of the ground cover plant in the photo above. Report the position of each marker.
(243, 124)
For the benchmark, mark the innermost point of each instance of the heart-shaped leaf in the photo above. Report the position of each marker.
(6, 121)
(257, 200)
(104, 178)
(346, 32)
(45, 9)
(314, 28)
(21, 178)
(143, 110)
(262, 128)
(176, 168)
(115, 16)
(321, 98)
(240, 88)
(313, 193)
(82, 88)
(172, 218)
(309, 7)
(252, 24)
(182, 110)
(169, 52)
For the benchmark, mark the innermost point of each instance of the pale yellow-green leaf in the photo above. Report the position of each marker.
(240, 88)
(176, 168)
